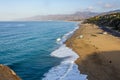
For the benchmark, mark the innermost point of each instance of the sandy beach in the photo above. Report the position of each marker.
(99, 53)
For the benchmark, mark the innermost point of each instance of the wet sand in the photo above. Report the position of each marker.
(99, 53)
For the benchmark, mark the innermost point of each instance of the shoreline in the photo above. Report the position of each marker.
(67, 69)
(98, 53)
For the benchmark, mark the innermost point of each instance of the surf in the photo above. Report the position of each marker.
(67, 70)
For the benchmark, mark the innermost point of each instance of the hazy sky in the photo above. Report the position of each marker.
(11, 9)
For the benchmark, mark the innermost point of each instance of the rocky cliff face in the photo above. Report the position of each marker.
(7, 74)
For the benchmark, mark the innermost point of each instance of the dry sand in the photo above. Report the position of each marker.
(99, 53)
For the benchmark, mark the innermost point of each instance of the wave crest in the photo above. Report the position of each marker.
(67, 70)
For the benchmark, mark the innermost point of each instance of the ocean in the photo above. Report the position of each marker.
(35, 50)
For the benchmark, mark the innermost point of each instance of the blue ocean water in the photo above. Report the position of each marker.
(26, 46)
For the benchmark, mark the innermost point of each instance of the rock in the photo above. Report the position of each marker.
(81, 36)
(105, 33)
(7, 74)
(58, 39)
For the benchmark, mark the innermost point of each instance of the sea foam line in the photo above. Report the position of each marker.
(67, 70)
(67, 35)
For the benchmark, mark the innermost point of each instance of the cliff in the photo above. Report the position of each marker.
(7, 74)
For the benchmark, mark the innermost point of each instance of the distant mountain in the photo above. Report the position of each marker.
(75, 16)
(114, 11)
(110, 12)
(85, 14)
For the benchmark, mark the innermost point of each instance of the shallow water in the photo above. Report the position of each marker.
(67, 70)
(26, 47)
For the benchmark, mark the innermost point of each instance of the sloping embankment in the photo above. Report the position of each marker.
(7, 74)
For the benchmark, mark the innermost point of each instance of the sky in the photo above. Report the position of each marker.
(13, 9)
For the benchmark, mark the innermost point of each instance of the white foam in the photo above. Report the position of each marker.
(66, 36)
(67, 70)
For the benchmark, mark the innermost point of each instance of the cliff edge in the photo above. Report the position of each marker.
(7, 74)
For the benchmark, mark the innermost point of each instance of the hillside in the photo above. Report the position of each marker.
(75, 16)
(111, 20)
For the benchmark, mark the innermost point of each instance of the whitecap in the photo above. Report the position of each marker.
(67, 70)
(67, 35)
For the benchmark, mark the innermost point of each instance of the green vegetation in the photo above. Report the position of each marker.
(109, 20)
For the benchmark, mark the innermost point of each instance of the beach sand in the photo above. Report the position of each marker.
(99, 53)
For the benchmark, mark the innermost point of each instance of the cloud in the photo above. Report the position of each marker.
(90, 8)
(100, 2)
(107, 5)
